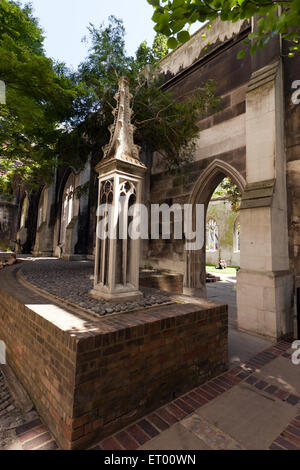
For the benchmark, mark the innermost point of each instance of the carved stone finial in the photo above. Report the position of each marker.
(121, 145)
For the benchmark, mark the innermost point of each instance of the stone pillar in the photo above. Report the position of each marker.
(265, 283)
(120, 176)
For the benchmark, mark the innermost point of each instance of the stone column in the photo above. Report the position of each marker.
(265, 283)
(120, 176)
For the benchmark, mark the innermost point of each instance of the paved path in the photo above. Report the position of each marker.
(20, 425)
(252, 406)
(224, 291)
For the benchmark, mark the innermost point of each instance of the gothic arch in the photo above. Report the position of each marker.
(210, 178)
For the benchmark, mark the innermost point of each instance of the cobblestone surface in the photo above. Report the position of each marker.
(11, 417)
(71, 282)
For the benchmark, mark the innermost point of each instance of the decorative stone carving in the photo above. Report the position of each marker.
(120, 176)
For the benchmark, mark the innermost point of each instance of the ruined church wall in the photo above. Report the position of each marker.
(221, 136)
(8, 216)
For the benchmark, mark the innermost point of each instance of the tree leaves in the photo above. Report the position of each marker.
(39, 97)
(172, 16)
(55, 117)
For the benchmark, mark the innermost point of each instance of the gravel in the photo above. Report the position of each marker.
(71, 282)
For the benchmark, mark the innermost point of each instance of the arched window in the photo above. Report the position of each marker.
(237, 235)
(212, 235)
(67, 209)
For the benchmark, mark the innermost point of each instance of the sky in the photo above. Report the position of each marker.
(65, 24)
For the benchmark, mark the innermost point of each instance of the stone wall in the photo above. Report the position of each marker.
(162, 281)
(88, 379)
(8, 211)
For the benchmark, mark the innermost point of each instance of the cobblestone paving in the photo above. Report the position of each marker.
(11, 417)
(21, 430)
(72, 282)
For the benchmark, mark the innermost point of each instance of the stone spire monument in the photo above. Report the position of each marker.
(120, 176)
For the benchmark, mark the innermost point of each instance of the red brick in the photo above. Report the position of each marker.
(293, 430)
(166, 416)
(188, 409)
(139, 435)
(37, 441)
(281, 394)
(292, 438)
(37, 431)
(49, 446)
(204, 394)
(26, 427)
(293, 399)
(148, 428)
(210, 390)
(158, 422)
(261, 385)
(276, 447)
(126, 441)
(286, 444)
(190, 401)
(110, 444)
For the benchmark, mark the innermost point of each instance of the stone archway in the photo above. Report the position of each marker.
(66, 229)
(211, 177)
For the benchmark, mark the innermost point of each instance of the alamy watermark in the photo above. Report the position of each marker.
(2, 92)
(296, 354)
(185, 222)
(296, 93)
(2, 353)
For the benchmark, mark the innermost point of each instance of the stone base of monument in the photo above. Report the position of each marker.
(117, 295)
(90, 377)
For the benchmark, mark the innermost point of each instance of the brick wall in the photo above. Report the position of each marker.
(44, 359)
(87, 384)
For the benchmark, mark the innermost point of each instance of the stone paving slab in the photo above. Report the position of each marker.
(224, 292)
(243, 346)
(178, 437)
(249, 416)
(283, 374)
(214, 437)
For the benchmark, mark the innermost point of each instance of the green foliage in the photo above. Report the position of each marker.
(277, 17)
(162, 123)
(230, 191)
(39, 96)
(54, 117)
(146, 55)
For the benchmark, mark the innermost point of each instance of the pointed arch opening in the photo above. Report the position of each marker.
(219, 227)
